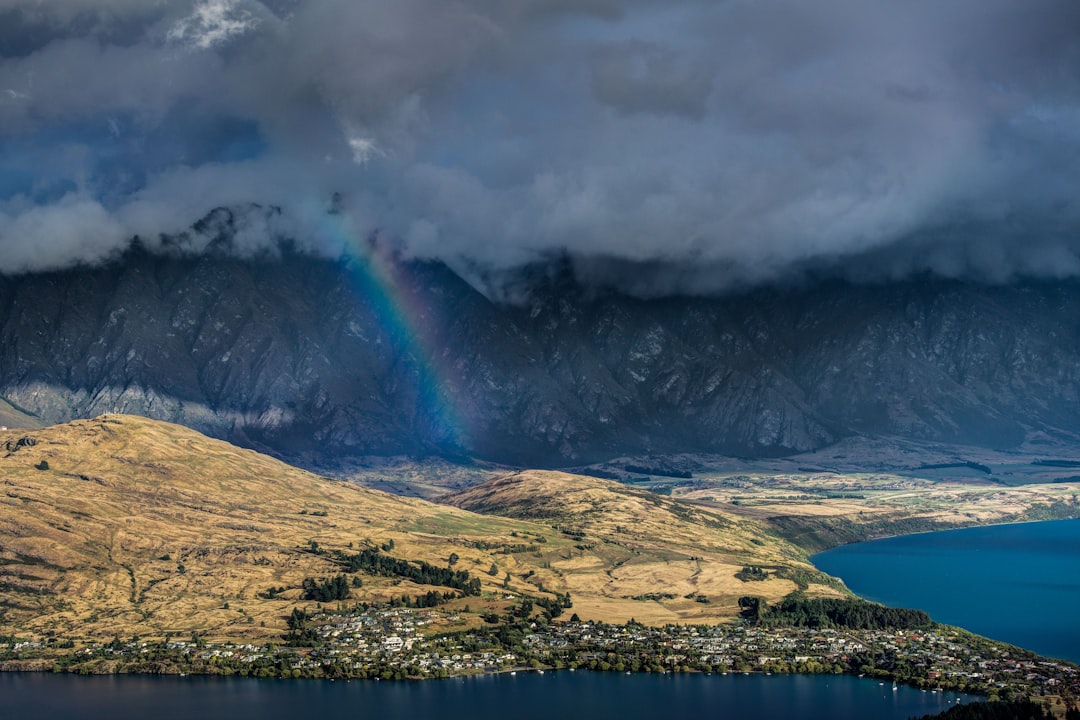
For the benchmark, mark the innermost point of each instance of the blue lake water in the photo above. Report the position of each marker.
(1016, 583)
(527, 696)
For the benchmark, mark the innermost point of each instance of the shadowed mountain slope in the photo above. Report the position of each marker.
(309, 360)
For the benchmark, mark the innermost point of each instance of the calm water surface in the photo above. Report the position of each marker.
(1017, 583)
(523, 697)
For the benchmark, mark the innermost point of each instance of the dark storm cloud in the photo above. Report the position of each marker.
(672, 146)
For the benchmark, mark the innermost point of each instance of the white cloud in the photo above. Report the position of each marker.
(363, 149)
(213, 22)
(72, 230)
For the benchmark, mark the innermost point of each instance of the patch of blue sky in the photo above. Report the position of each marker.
(112, 158)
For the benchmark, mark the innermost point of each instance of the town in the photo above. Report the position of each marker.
(396, 643)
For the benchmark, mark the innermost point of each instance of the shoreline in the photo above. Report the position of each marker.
(924, 656)
(956, 528)
(508, 672)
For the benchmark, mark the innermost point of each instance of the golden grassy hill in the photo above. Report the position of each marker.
(126, 526)
(123, 525)
(631, 543)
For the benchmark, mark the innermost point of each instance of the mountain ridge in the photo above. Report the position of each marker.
(293, 356)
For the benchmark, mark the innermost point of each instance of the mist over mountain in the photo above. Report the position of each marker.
(315, 361)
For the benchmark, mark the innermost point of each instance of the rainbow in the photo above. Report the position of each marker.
(379, 283)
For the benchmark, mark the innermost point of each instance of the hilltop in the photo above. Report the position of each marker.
(630, 544)
(123, 525)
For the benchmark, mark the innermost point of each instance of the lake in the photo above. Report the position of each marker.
(527, 696)
(1016, 583)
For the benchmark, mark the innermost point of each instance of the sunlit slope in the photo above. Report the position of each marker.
(132, 526)
(126, 526)
(632, 544)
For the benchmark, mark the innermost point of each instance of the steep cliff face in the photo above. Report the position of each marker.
(308, 359)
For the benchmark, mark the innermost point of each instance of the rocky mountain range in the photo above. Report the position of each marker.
(318, 361)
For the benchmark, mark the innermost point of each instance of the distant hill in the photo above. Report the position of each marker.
(323, 362)
(13, 417)
(682, 556)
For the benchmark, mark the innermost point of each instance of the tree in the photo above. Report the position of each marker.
(454, 558)
(374, 562)
(751, 608)
(525, 609)
(299, 633)
(296, 620)
(336, 588)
